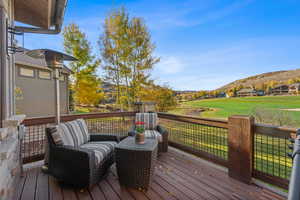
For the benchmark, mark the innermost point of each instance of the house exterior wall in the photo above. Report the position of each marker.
(280, 90)
(6, 61)
(10, 124)
(9, 138)
(294, 89)
(246, 94)
(38, 95)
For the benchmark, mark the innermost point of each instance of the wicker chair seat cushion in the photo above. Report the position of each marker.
(102, 149)
(150, 120)
(153, 135)
(73, 133)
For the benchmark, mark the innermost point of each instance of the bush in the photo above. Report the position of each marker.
(273, 116)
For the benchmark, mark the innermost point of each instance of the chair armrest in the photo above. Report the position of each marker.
(131, 132)
(161, 129)
(73, 154)
(63, 160)
(104, 137)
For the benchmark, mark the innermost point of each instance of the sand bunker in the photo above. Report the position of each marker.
(292, 109)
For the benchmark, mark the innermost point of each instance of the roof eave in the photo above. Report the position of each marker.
(50, 25)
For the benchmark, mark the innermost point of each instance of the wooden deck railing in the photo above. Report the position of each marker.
(263, 155)
(245, 148)
(106, 123)
(206, 138)
(271, 163)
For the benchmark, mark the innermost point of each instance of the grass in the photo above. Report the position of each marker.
(84, 110)
(225, 107)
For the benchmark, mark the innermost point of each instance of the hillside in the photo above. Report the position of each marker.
(279, 76)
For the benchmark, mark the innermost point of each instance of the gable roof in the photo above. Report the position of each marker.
(22, 59)
(246, 90)
(280, 85)
(295, 85)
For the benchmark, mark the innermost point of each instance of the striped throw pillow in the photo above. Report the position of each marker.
(150, 120)
(84, 129)
(74, 133)
(56, 136)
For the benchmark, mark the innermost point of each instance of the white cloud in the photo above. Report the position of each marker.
(191, 13)
(169, 65)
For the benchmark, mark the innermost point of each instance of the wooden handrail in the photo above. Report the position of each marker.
(264, 129)
(64, 118)
(274, 131)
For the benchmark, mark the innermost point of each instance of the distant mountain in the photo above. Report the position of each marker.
(279, 76)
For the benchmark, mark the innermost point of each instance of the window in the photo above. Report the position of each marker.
(44, 75)
(62, 77)
(26, 72)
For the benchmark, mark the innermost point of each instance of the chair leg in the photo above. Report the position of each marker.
(165, 142)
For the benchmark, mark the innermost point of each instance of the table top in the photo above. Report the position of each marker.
(129, 144)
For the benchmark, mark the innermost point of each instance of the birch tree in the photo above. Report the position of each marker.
(127, 53)
(85, 82)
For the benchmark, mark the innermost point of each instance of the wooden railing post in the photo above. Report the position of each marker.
(240, 147)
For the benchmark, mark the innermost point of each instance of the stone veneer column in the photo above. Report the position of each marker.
(9, 156)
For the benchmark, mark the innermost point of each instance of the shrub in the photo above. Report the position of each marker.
(273, 116)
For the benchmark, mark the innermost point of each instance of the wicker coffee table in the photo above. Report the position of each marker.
(136, 162)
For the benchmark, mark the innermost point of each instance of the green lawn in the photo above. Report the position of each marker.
(224, 107)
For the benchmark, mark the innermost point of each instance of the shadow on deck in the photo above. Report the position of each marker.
(177, 176)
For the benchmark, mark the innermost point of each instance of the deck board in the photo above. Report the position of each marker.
(55, 192)
(121, 191)
(216, 186)
(30, 185)
(96, 193)
(217, 180)
(42, 187)
(177, 177)
(20, 186)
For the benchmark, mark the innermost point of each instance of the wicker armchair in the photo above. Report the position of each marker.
(79, 166)
(152, 130)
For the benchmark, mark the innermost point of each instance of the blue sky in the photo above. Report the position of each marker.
(203, 44)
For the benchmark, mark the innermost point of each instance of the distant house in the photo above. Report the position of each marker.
(247, 92)
(281, 89)
(260, 92)
(35, 87)
(222, 95)
(107, 87)
(294, 88)
(109, 92)
(179, 92)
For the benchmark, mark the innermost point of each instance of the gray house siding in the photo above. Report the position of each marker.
(6, 62)
(37, 95)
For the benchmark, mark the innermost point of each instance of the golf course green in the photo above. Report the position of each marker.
(225, 107)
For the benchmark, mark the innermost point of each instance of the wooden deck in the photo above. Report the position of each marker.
(177, 176)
